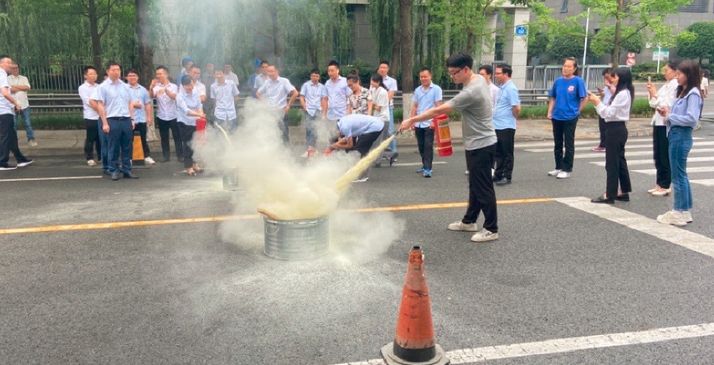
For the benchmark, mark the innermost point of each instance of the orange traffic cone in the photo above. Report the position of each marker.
(137, 150)
(414, 343)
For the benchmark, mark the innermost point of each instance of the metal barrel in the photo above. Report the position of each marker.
(301, 239)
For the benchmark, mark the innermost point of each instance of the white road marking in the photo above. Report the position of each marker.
(706, 182)
(581, 142)
(689, 170)
(637, 153)
(649, 161)
(678, 236)
(562, 345)
(627, 147)
(418, 163)
(51, 178)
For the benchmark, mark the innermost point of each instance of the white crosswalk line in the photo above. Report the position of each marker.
(649, 161)
(637, 153)
(706, 182)
(591, 142)
(690, 170)
(627, 147)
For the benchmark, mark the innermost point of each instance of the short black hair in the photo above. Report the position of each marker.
(132, 71)
(186, 80)
(264, 62)
(383, 62)
(487, 68)
(161, 67)
(4, 56)
(195, 66)
(353, 77)
(607, 71)
(87, 68)
(425, 69)
(314, 71)
(112, 63)
(333, 63)
(460, 60)
(506, 69)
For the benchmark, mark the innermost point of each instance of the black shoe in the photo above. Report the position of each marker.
(106, 172)
(129, 175)
(502, 181)
(7, 167)
(116, 175)
(623, 197)
(603, 200)
(24, 163)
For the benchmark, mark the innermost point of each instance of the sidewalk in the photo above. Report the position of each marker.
(528, 130)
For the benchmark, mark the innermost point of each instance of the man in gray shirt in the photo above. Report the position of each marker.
(474, 104)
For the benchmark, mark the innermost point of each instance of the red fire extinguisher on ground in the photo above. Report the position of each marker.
(443, 135)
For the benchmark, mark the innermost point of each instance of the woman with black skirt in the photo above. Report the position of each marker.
(616, 114)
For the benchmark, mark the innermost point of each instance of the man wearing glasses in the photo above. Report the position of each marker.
(474, 104)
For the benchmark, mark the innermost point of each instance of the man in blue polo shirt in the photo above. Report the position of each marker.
(114, 106)
(425, 97)
(508, 107)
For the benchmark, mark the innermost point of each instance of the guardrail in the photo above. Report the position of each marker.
(65, 103)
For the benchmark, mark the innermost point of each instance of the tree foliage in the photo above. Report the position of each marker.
(602, 43)
(697, 41)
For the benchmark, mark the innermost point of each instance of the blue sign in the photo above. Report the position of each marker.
(521, 30)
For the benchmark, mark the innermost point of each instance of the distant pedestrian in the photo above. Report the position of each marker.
(229, 74)
(474, 104)
(143, 112)
(165, 94)
(337, 93)
(114, 105)
(567, 98)
(426, 96)
(392, 88)
(20, 85)
(225, 93)
(605, 93)
(359, 98)
(280, 94)
(313, 100)
(681, 118)
(8, 134)
(379, 105)
(508, 107)
(92, 123)
(260, 76)
(198, 86)
(189, 110)
(664, 97)
(616, 114)
(186, 65)
(487, 72)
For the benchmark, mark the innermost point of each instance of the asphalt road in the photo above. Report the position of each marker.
(181, 292)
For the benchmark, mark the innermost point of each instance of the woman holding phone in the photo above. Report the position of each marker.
(616, 113)
(664, 97)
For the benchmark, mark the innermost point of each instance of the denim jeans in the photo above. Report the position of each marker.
(680, 143)
(310, 130)
(121, 138)
(103, 146)
(27, 122)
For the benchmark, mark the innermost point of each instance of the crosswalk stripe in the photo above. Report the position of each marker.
(637, 153)
(581, 142)
(649, 161)
(418, 163)
(706, 182)
(627, 147)
(689, 170)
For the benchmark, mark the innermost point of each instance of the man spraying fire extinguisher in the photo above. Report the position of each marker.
(474, 104)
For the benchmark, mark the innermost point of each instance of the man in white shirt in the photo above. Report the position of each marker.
(198, 86)
(487, 72)
(313, 100)
(8, 134)
(229, 75)
(392, 89)
(280, 94)
(165, 94)
(337, 93)
(143, 112)
(225, 93)
(91, 120)
(261, 74)
(20, 85)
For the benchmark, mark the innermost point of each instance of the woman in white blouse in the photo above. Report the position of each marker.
(616, 114)
(664, 97)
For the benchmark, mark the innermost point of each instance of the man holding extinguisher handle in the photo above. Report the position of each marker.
(425, 97)
(479, 136)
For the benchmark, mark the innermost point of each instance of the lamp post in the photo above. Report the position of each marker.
(585, 49)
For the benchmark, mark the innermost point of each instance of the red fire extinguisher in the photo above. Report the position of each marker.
(443, 135)
(200, 130)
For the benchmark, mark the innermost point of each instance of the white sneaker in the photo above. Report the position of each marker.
(554, 172)
(657, 187)
(484, 235)
(688, 216)
(364, 179)
(563, 175)
(461, 226)
(32, 143)
(25, 163)
(149, 160)
(661, 192)
(673, 217)
(466, 172)
(91, 163)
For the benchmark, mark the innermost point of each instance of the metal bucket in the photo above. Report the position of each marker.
(300, 239)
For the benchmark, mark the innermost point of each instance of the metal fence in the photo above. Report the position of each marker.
(542, 77)
(55, 78)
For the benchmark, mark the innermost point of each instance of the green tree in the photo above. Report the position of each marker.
(645, 17)
(697, 41)
(601, 43)
(566, 42)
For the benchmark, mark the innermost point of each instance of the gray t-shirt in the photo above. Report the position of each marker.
(474, 104)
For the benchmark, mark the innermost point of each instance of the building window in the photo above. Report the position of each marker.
(697, 6)
(564, 6)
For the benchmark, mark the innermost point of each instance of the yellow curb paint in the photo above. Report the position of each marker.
(159, 222)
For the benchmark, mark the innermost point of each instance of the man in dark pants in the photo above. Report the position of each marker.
(357, 132)
(8, 134)
(508, 107)
(474, 104)
(114, 105)
(91, 118)
(165, 92)
(426, 96)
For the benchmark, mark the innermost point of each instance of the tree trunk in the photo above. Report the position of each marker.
(94, 35)
(277, 47)
(470, 39)
(146, 53)
(618, 33)
(406, 45)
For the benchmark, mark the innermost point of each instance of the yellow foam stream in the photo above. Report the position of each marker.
(355, 171)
